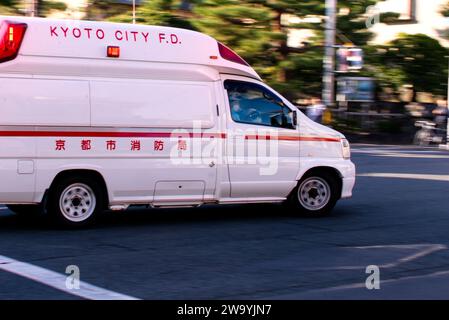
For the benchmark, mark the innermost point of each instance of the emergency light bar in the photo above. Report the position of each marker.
(11, 36)
(230, 55)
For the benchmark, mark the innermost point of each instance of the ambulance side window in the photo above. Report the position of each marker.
(253, 104)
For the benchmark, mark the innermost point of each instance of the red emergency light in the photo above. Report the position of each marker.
(113, 52)
(11, 36)
(230, 55)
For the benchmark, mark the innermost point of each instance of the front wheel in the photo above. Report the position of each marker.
(316, 194)
(76, 201)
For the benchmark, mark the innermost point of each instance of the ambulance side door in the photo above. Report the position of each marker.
(262, 140)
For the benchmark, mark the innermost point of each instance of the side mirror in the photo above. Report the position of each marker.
(295, 118)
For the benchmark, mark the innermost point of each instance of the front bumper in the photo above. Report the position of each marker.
(348, 181)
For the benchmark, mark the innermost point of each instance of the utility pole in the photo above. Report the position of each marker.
(447, 116)
(134, 11)
(31, 8)
(329, 54)
(446, 146)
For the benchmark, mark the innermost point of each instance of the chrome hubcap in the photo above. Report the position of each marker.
(77, 202)
(314, 193)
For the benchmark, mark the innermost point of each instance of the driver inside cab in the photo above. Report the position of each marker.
(252, 104)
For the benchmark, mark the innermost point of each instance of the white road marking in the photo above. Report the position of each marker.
(411, 155)
(433, 177)
(392, 146)
(417, 154)
(58, 281)
(422, 250)
(381, 150)
(363, 285)
(3, 208)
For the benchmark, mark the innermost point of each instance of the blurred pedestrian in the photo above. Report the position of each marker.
(440, 115)
(315, 110)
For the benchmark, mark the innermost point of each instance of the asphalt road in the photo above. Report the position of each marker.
(398, 220)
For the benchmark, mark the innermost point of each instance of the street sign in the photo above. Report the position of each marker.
(357, 89)
(349, 59)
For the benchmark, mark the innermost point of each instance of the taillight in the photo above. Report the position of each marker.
(230, 55)
(11, 36)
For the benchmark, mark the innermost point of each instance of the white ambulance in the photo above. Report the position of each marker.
(97, 116)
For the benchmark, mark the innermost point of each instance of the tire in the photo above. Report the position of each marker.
(76, 201)
(25, 210)
(315, 195)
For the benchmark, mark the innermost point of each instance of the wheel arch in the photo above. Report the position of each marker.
(332, 171)
(81, 172)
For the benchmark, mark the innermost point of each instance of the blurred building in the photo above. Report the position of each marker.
(75, 10)
(415, 16)
(299, 37)
(91, 9)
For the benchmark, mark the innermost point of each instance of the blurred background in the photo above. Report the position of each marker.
(386, 63)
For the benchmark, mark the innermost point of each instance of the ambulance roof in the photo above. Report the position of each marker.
(90, 40)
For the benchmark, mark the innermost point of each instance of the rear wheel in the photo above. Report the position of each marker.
(316, 194)
(76, 201)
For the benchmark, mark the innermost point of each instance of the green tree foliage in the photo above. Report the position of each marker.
(417, 60)
(255, 29)
(43, 7)
(244, 27)
(6, 3)
(99, 10)
(351, 21)
(8, 7)
(154, 12)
